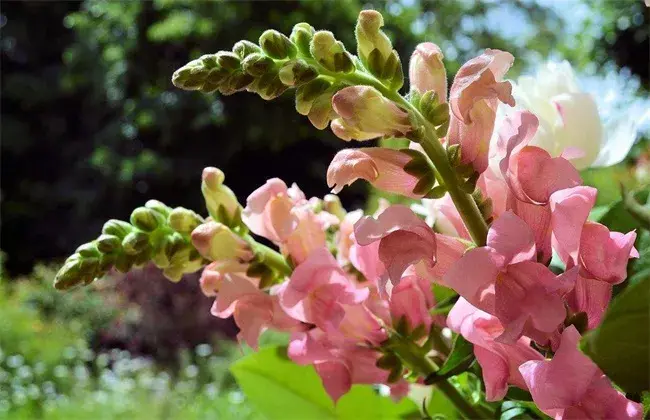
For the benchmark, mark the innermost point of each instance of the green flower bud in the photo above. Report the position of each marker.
(88, 250)
(216, 76)
(237, 81)
(277, 45)
(209, 61)
(330, 53)
(146, 219)
(117, 228)
(332, 204)
(68, 276)
(245, 48)
(108, 244)
(269, 86)
(183, 220)
(106, 261)
(228, 60)
(217, 242)
(301, 36)
(135, 242)
(142, 258)
(159, 207)
(370, 36)
(257, 64)
(174, 243)
(124, 262)
(321, 112)
(216, 194)
(297, 73)
(307, 94)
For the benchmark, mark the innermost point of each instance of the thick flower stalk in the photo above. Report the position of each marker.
(366, 298)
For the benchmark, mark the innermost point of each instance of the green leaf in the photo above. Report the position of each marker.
(280, 389)
(459, 359)
(620, 345)
(618, 218)
(440, 407)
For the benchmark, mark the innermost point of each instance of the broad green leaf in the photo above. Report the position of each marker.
(620, 345)
(618, 218)
(607, 181)
(460, 358)
(280, 389)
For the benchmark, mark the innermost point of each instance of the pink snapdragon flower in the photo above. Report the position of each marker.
(284, 216)
(340, 364)
(404, 239)
(499, 362)
(427, 71)
(604, 255)
(503, 279)
(473, 99)
(318, 290)
(382, 167)
(412, 298)
(214, 273)
(571, 386)
(254, 310)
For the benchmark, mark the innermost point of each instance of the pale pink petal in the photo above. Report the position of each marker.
(365, 258)
(511, 238)
(528, 300)
(538, 218)
(515, 132)
(446, 218)
(233, 288)
(604, 254)
(336, 378)
(571, 153)
(534, 175)
(254, 213)
(405, 239)
(305, 348)
(561, 382)
(408, 300)
(382, 167)
(473, 277)
(478, 79)
(252, 316)
(474, 135)
(569, 211)
(426, 70)
(307, 236)
(494, 187)
(495, 373)
(359, 325)
(592, 297)
(279, 222)
(448, 251)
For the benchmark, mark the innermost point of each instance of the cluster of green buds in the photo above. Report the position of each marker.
(155, 233)
(313, 62)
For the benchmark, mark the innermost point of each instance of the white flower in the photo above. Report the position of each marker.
(571, 118)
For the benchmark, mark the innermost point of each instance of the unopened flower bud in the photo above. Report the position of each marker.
(135, 242)
(88, 250)
(216, 194)
(117, 228)
(183, 220)
(174, 243)
(297, 73)
(307, 94)
(158, 206)
(245, 48)
(427, 72)
(124, 262)
(209, 61)
(108, 244)
(146, 219)
(228, 60)
(301, 36)
(191, 76)
(68, 276)
(321, 111)
(332, 204)
(370, 36)
(217, 242)
(258, 64)
(330, 53)
(277, 45)
(367, 114)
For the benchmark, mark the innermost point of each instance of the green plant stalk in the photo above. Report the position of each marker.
(415, 358)
(272, 258)
(465, 204)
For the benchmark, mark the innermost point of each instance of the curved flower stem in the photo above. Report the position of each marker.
(415, 358)
(446, 175)
(271, 258)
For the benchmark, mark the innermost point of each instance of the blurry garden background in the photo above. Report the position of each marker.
(92, 128)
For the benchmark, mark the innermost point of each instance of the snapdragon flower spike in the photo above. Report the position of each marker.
(571, 386)
(157, 233)
(499, 362)
(364, 114)
(404, 239)
(503, 279)
(473, 99)
(384, 168)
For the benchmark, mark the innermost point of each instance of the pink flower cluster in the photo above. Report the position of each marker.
(355, 277)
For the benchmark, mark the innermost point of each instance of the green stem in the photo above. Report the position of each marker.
(465, 204)
(270, 257)
(415, 358)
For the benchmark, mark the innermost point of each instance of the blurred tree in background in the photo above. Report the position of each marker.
(92, 127)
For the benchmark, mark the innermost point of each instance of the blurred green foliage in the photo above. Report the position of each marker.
(49, 370)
